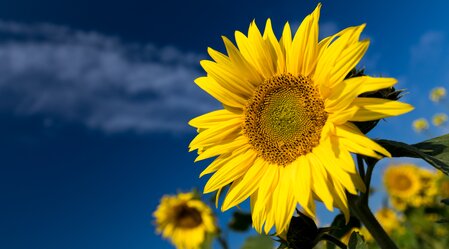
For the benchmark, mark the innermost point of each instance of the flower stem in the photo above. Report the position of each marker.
(358, 205)
(334, 240)
(222, 242)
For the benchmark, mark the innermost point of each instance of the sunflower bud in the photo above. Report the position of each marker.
(302, 233)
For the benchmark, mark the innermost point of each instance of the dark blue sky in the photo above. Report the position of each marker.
(95, 96)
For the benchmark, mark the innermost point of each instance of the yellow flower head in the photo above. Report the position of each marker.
(402, 181)
(439, 119)
(420, 125)
(437, 94)
(388, 219)
(285, 133)
(185, 220)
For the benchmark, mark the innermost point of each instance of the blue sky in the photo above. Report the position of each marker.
(95, 97)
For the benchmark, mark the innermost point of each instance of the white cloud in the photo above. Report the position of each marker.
(429, 50)
(98, 80)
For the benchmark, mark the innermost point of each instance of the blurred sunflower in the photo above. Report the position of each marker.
(437, 94)
(285, 134)
(402, 180)
(420, 125)
(398, 203)
(388, 219)
(439, 119)
(185, 220)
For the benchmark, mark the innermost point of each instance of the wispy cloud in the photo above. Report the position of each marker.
(97, 80)
(430, 49)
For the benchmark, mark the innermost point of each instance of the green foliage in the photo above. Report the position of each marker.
(258, 242)
(340, 228)
(240, 221)
(207, 243)
(356, 242)
(434, 151)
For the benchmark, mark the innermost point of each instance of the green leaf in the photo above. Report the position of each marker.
(356, 242)
(445, 201)
(207, 243)
(340, 228)
(240, 221)
(443, 221)
(434, 151)
(258, 242)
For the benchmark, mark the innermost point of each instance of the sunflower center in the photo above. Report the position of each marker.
(187, 217)
(403, 182)
(284, 118)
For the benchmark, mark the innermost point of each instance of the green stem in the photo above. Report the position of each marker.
(358, 205)
(222, 242)
(334, 240)
(360, 166)
(367, 179)
(361, 210)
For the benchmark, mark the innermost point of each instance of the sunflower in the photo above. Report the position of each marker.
(285, 133)
(437, 94)
(402, 181)
(388, 219)
(439, 119)
(420, 125)
(185, 220)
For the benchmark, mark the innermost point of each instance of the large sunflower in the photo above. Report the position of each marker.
(185, 220)
(285, 134)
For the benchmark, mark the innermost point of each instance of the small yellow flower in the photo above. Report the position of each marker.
(402, 180)
(388, 219)
(185, 220)
(437, 94)
(439, 119)
(420, 125)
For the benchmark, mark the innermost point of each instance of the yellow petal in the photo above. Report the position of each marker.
(243, 67)
(319, 180)
(269, 36)
(347, 61)
(223, 148)
(267, 186)
(334, 168)
(223, 95)
(213, 118)
(369, 84)
(336, 55)
(303, 181)
(285, 201)
(227, 131)
(374, 108)
(227, 79)
(254, 50)
(286, 40)
(352, 138)
(230, 171)
(250, 182)
(304, 48)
